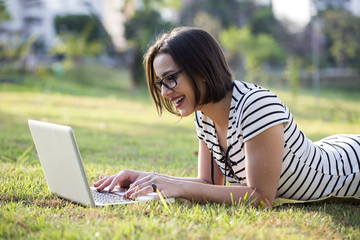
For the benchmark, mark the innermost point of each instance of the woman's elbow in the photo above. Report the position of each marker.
(262, 199)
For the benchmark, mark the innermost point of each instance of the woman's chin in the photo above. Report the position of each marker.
(185, 113)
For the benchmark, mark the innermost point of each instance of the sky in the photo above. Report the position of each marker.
(297, 11)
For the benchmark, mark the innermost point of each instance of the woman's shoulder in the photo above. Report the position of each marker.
(256, 110)
(244, 87)
(201, 119)
(248, 93)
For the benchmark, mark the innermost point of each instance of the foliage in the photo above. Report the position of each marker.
(342, 31)
(254, 49)
(214, 16)
(143, 26)
(263, 21)
(74, 24)
(330, 4)
(292, 75)
(208, 23)
(76, 46)
(4, 14)
(226, 13)
(140, 29)
(15, 55)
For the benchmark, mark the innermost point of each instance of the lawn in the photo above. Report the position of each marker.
(117, 128)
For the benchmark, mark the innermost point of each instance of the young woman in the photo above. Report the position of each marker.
(247, 136)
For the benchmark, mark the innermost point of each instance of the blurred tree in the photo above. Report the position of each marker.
(144, 23)
(254, 49)
(75, 46)
(76, 23)
(214, 16)
(207, 22)
(230, 12)
(263, 21)
(322, 5)
(342, 31)
(226, 13)
(293, 75)
(4, 14)
(16, 54)
(5, 52)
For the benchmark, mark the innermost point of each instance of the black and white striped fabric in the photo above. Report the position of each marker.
(310, 171)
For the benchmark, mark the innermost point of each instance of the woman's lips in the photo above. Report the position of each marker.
(178, 101)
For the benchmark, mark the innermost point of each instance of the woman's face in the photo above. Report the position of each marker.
(182, 96)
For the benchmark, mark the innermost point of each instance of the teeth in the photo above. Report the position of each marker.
(179, 100)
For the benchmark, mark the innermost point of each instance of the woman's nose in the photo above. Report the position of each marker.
(165, 92)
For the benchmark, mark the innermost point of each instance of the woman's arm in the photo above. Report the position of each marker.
(204, 166)
(127, 177)
(264, 155)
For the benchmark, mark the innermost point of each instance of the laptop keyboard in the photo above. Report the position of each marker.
(107, 198)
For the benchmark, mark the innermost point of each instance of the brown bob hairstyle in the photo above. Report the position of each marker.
(199, 55)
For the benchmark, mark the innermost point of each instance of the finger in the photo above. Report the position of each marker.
(117, 180)
(139, 188)
(131, 190)
(145, 180)
(123, 179)
(104, 184)
(136, 186)
(145, 190)
(98, 183)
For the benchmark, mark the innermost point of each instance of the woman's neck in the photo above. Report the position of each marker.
(219, 112)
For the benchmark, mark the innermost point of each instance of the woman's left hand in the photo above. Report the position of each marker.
(155, 182)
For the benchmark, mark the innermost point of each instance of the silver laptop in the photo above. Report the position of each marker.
(62, 165)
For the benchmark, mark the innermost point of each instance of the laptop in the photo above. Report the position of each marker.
(63, 168)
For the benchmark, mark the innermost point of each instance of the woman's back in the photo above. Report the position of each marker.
(310, 171)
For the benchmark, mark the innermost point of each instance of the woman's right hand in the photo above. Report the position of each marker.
(123, 179)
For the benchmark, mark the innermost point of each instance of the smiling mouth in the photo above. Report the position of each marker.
(177, 101)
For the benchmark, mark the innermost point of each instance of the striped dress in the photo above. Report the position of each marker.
(310, 170)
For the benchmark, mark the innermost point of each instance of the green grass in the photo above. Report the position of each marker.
(117, 128)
